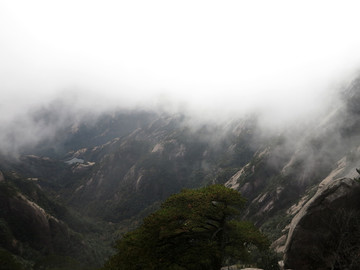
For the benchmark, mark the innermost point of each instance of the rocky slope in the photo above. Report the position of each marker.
(325, 233)
(117, 167)
(33, 226)
(145, 167)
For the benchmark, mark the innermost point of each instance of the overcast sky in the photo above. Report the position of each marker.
(211, 55)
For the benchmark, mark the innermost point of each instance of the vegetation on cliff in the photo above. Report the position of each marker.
(194, 229)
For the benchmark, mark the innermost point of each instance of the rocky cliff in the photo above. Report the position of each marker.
(33, 226)
(116, 168)
(325, 234)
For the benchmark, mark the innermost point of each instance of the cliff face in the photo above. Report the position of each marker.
(132, 172)
(117, 168)
(325, 234)
(118, 181)
(29, 222)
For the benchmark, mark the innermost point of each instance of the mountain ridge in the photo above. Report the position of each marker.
(123, 164)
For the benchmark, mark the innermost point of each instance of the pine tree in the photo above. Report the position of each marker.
(194, 229)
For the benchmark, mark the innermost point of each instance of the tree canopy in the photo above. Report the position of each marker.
(194, 229)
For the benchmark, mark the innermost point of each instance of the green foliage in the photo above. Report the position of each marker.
(273, 226)
(5, 234)
(268, 260)
(22, 233)
(194, 229)
(225, 175)
(7, 190)
(54, 262)
(241, 153)
(7, 261)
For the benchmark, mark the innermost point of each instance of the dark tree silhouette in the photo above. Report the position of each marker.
(195, 229)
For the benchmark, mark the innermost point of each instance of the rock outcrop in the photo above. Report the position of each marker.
(325, 233)
(29, 222)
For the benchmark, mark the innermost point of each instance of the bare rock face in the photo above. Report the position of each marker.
(25, 223)
(325, 234)
(31, 221)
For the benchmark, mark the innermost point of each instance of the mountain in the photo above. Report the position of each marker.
(331, 219)
(36, 227)
(98, 175)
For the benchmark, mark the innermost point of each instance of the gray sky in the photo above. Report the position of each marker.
(215, 56)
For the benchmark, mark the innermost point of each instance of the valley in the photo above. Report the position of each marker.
(66, 199)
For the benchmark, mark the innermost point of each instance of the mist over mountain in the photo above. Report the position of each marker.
(27, 125)
(97, 173)
(222, 61)
(107, 109)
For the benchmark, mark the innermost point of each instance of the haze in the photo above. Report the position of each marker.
(209, 57)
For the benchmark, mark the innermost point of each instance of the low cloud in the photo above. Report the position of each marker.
(215, 62)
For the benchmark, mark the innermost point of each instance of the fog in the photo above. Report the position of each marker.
(213, 60)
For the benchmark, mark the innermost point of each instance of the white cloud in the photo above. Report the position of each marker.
(213, 55)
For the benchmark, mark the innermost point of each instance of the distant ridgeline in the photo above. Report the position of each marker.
(65, 201)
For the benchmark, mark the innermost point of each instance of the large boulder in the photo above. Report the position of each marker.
(325, 234)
